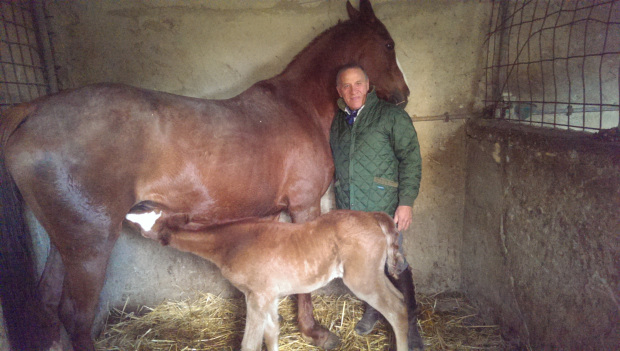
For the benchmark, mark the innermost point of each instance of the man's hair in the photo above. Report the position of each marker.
(347, 67)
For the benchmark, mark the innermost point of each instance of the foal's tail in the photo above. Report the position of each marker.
(395, 258)
(17, 273)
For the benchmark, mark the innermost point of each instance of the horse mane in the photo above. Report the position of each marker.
(341, 27)
(331, 31)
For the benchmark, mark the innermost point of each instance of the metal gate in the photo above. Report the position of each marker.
(554, 63)
(25, 53)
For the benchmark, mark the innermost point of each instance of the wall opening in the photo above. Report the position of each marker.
(25, 53)
(554, 64)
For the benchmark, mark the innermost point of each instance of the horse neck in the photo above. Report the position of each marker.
(311, 99)
(212, 246)
(310, 79)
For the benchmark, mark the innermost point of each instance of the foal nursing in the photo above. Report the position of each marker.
(267, 260)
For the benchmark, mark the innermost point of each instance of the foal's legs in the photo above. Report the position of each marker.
(256, 321)
(405, 285)
(272, 326)
(312, 331)
(375, 288)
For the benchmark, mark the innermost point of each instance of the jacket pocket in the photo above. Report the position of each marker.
(379, 181)
(383, 195)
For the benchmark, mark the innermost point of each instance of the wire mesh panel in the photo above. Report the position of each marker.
(554, 63)
(23, 71)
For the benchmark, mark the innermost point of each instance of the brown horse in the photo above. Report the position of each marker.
(82, 159)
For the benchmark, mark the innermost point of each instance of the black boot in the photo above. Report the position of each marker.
(368, 321)
(404, 284)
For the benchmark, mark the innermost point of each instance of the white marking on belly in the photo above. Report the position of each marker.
(145, 220)
(402, 72)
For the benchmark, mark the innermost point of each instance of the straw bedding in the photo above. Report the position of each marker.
(209, 322)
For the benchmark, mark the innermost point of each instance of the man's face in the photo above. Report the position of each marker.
(352, 87)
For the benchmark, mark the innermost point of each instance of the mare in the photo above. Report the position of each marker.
(266, 260)
(82, 159)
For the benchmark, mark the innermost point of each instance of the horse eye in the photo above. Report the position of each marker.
(390, 46)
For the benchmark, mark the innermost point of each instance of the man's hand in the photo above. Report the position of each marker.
(403, 216)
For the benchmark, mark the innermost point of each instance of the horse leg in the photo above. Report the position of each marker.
(50, 292)
(85, 264)
(404, 283)
(82, 234)
(255, 321)
(81, 244)
(272, 326)
(376, 289)
(310, 329)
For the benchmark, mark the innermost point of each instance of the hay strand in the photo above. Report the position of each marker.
(209, 322)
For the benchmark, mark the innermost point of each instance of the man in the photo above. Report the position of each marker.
(378, 168)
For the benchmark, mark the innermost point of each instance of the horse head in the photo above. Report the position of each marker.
(373, 48)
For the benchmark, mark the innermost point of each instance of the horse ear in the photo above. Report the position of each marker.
(367, 13)
(353, 13)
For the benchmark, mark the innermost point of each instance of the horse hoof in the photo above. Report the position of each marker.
(415, 342)
(323, 338)
(365, 326)
(331, 342)
(368, 321)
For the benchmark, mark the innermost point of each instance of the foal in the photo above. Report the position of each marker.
(268, 259)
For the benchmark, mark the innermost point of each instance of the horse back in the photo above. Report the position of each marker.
(219, 159)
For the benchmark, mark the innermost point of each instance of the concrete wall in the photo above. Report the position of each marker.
(540, 240)
(217, 49)
(524, 222)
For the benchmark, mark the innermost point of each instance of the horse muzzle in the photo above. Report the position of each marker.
(399, 98)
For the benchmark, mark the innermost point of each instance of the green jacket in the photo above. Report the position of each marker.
(377, 159)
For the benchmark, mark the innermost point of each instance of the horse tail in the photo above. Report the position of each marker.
(17, 272)
(395, 258)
